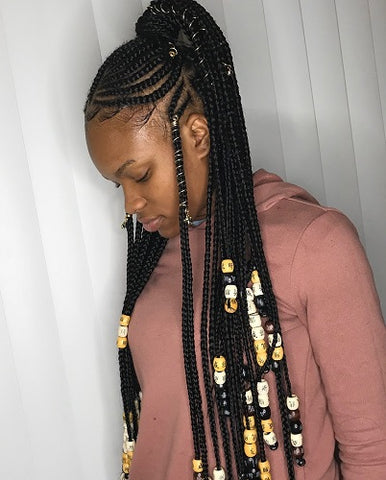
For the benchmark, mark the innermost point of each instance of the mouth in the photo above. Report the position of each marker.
(151, 224)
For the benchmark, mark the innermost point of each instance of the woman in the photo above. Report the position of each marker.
(213, 385)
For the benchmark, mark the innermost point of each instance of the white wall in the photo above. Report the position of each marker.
(312, 75)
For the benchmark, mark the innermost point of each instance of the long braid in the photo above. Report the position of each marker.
(197, 69)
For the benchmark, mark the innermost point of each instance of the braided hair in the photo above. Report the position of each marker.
(180, 58)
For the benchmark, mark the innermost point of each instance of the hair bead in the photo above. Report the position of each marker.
(219, 363)
(230, 291)
(121, 342)
(197, 465)
(293, 402)
(219, 378)
(278, 340)
(258, 333)
(219, 474)
(227, 266)
(250, 449)
(254, 320)
(262, 387)
(267, 425)
(249, 422)
(278, 354)
(250, 435)
(124, 321)
(265, 466)
(270, 439)
(231, 305)
(265, 476)
(296, 439)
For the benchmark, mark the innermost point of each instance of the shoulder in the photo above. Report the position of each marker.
(289, 216)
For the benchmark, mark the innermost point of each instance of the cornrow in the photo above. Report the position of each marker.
(180, 57)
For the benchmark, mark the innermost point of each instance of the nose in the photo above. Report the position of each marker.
(134, 203)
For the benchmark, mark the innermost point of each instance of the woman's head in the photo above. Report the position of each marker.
(140, 159)
(164, 120)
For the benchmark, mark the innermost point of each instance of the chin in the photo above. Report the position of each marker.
(169, 232)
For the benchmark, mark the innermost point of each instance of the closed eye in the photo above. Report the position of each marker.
(144, 178)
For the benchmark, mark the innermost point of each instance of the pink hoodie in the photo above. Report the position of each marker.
(333, 333)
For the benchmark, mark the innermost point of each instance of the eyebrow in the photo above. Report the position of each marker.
(121, 169)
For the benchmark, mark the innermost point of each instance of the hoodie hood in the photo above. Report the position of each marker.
(269, 189)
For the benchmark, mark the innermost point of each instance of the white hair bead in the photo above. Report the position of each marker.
(220, 377)
(262, 387)
(230, 291)
(251, 308)
(270, 438)
(218, 474)
(254, 320)
(296, 439)
(292, 402)
(278, 340)
(258, 333)
(263, 400)
(257, 290)
(128, 446)
(249, 397)
(122, 331)
(249, 294)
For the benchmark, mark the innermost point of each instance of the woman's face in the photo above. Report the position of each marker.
(141, 161)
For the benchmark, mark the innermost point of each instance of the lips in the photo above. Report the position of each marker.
(151, 224)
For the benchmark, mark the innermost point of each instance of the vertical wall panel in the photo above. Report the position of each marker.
(331, 107)
(378, 26)
(115, 22)
(294, 95)
(247, 34)
(28, 308)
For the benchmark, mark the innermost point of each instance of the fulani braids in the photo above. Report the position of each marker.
(180, 54)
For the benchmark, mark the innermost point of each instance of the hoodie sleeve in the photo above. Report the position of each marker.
(338, 302)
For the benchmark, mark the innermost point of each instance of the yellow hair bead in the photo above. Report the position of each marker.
(197, 465)
(267, 425)
(121, 342)
(251, 422)
(265, 476)
(126, 467)
(250, 436)
(231, 305)
(260, 346)
(264, 467)
(278, 353)
(255, 277)
(124, 320)
(250, 449)
(219, 363)
(227, 266)
(261, 358)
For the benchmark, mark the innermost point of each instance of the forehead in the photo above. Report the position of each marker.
(112, 136)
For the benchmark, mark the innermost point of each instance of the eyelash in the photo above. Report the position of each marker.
(140, 180)
(144, 178)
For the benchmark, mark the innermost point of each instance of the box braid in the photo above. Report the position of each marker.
(180, 57)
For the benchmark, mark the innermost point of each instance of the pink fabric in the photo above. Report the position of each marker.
(332, 329)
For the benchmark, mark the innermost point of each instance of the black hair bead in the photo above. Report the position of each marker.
(229, 279)
(293, 415)
(265, 413)
(296, 427)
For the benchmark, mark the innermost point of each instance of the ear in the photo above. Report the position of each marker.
(195, 135)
